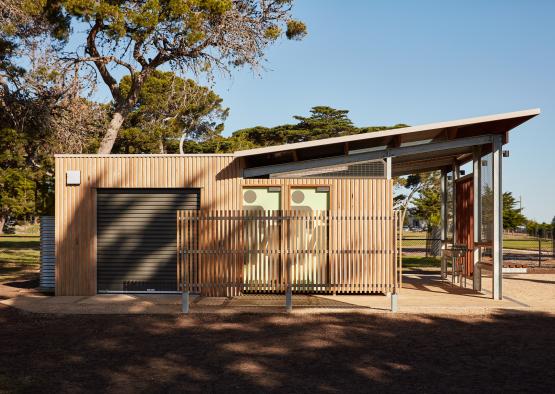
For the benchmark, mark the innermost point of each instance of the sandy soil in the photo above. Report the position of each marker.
(276, 353)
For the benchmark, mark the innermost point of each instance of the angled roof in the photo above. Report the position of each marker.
(393, 138)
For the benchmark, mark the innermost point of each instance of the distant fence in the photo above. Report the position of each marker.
(517, 248)
(529, 250)
(47, 254)
(225, 253)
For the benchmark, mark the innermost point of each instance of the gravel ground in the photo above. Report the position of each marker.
(276, 353)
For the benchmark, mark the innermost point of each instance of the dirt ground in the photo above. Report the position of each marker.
(276, 353)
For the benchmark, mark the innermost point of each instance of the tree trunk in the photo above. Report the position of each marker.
(111, 134)
(2, 222)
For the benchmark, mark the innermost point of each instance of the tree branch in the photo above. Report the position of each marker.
(91, 48)
(137, 55)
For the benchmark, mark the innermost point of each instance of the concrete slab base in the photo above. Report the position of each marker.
(423, 292)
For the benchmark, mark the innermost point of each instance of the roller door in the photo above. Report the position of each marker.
(136, 238)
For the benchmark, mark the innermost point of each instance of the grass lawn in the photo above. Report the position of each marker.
(19, 256)
(510, 241)
(527, 244)
(421, 262)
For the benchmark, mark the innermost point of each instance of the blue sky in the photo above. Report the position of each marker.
(417, 62)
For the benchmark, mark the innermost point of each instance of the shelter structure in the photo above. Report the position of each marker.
(310, 217)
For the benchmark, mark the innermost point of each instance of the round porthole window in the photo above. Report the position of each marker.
(297, 196)
(249, 196)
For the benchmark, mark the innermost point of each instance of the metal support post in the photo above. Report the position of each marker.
(456, 173)
(477, 175)
(185, 302)
(289, 290)
(540, 251)
(497, 251)
(444, 221)
(394, 302)
(288, 299)
(388, 167)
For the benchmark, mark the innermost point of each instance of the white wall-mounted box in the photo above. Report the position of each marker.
(73, 177)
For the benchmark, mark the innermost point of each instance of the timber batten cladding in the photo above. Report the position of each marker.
(217, 177)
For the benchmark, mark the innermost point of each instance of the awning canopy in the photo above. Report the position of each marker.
(412, 149)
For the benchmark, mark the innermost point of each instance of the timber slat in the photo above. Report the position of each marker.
(228, 252)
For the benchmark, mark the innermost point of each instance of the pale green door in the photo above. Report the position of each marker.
(258, 268)
(311, 269)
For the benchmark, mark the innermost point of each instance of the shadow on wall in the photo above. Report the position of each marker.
(230, 171)
(254, 353)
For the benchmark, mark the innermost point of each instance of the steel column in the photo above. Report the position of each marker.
(456, 174)
(388, 167)
(444, 220)
(288, 299)
(394, 302)
(497, 251)
(185, 302)
(477, 175)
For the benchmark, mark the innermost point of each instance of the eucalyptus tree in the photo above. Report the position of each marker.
(170, 110)
(192, 37)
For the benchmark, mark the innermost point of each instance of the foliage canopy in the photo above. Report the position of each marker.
(138, 37)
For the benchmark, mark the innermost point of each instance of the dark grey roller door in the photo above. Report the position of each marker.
(136, 237)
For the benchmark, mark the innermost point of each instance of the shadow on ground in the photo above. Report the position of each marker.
(32, 283)
(238, 353)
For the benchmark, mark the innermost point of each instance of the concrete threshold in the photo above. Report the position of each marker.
(423, 293)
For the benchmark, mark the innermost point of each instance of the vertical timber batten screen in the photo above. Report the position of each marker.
(229, 252)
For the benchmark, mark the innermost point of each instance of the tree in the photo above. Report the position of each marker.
(44, 101)
(427, 205)
(512, 216)
(41, 113)
(544, 230)
(323, 122)
(17, 195)
(415, 184)
(168, 108)
(191, 36)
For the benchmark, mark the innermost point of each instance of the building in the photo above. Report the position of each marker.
(117, 228)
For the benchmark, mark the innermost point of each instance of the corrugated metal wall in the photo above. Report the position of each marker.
(47, 253)
(136, 230)
(217, 176)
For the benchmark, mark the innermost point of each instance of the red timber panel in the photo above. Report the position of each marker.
(465, 218)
